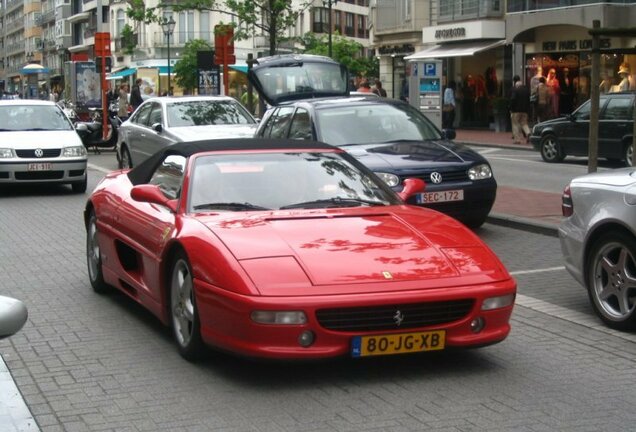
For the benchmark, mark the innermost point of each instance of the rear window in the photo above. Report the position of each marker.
(203, 113)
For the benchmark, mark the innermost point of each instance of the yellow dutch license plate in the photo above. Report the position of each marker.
(364, 346)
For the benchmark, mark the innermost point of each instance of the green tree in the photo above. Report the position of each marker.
(344, 50)
(271, 17)
(186, 68)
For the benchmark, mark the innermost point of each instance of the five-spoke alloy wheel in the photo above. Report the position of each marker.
(611, 279)
(183, 311)
(551, 150)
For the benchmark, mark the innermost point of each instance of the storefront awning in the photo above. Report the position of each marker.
(163, 70)
(240, 68)
(121, 74)
(455, 49)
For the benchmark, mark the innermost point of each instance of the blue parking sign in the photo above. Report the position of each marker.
(430, 69)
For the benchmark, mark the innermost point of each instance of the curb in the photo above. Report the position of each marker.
(524, 224)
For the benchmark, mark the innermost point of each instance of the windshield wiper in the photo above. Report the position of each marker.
(233, 206)
(334, 202)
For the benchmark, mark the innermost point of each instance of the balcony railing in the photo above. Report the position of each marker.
(470, 9)
(179, 38)
(15, 47)
(15, 24)
(533, 5)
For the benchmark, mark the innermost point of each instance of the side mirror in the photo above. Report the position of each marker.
(13, 315)
(411, 187)
(157, 127)
(449, 134)
(152, 194)
(81, 127)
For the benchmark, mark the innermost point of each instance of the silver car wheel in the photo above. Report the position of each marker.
(613, 277)
(629, 154)
(551, 149)
(93, 255)
(125, 161)
(182, 303)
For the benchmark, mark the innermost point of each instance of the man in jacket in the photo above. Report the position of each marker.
(519, 109)
(135, 94)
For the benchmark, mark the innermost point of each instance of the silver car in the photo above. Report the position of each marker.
(38, 144)
(162, 121)
(598, 240)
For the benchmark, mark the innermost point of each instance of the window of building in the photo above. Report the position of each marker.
(204, 26)
(349, 29)
(121, 21)
(320, 20)
(186, 27)
(362, 26)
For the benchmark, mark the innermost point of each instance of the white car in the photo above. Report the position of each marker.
(38, 144)
(598, 240)
(161, 121)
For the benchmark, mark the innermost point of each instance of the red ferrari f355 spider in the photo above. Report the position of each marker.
(291, 249)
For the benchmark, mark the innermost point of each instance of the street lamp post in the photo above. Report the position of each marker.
(329, 4)
(168, 29)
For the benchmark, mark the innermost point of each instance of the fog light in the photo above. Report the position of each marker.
(306, 338)
(477, 325)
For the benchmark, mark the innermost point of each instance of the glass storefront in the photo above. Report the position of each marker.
(568, 75)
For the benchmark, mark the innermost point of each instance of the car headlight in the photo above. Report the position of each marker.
(279, 317)
(390, 179)
(77, 151)
(480, 172)
(6, 153)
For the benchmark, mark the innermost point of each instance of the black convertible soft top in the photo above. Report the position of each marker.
(143, 172)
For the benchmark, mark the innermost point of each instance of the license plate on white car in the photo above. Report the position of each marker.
(441, 196)
(39, 166)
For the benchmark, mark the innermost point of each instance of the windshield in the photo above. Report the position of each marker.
(373, 123)
(297, 79)
(204, 113)
(33, 118)
(269, 181)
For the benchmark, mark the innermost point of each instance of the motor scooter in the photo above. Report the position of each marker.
(91, 132)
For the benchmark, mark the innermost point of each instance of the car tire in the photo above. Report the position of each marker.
(551, 150)
(628, 152)
(94, 257)
(611, 279)
(475, 222)
(184, 317)
(80, 186)
(125, 161)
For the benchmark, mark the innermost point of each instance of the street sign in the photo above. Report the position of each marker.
(102, 44)
(224, 44)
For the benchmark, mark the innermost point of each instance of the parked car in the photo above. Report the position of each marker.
(162, 121)
(310, 100)
(598, 239)
(13, 315)
(38, 144)
(291, 249)
(569, 135)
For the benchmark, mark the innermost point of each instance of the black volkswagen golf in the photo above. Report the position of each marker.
(309, 100)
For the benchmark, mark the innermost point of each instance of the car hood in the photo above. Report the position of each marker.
(618, 178)
(196, 133)
(316, 251)
(413, 154)
(21, 140)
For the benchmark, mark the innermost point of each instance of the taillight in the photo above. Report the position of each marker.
(567, 207)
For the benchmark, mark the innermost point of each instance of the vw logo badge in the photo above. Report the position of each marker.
(398, 318)
(436, 177)
(39, 153)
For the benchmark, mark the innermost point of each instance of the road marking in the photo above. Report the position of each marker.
(544, 270)
(576, 317)
(98, 168)
(488, 151)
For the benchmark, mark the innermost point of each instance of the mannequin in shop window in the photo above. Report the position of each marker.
(555, 92)
(567, 92)
(623, 73)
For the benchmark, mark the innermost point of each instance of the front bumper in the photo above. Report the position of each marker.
(44, 171)
(226, 324)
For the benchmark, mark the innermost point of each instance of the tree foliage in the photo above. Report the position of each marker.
(345, 51)
(254, 17)
(186, 68)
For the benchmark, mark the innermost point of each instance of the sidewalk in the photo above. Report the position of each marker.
(521, 208)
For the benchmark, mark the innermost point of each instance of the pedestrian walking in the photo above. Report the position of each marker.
(519, 109)
(378, 89)
(544, 101)
(122, 110)
(448, 107)
(135, 94)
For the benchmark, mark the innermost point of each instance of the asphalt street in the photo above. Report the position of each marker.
(85, 362)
